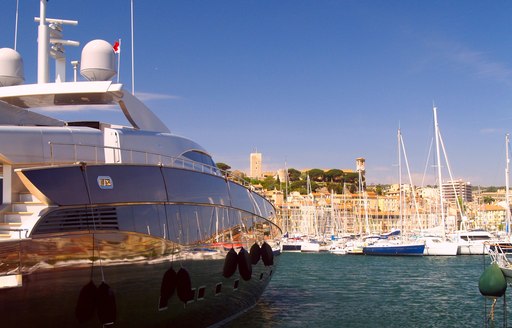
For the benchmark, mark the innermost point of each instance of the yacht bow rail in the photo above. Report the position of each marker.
(498, 252)
(97, 154)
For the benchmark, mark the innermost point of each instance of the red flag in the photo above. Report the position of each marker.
(117, 47)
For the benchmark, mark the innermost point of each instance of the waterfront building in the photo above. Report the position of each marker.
(457, 188)
(282, 174)
(255, 161)
(491, 217)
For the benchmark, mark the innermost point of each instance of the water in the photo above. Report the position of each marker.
(326, 290)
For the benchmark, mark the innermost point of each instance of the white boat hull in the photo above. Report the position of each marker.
(437, 247)
(308, 247)
(472, 248)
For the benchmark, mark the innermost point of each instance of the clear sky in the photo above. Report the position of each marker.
(313, 83)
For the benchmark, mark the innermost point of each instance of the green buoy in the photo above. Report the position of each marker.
(492, 282)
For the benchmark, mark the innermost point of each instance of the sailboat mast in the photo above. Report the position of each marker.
(413, 191)
(400, 183)
(439, 174)
(507, 183)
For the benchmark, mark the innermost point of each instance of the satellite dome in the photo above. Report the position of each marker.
(11, 67)
(98, 61)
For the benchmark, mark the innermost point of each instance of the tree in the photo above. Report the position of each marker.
(352, 177)
(316, 175)
(294, 175)
(488, 200)
(269, 183)
(378, 190)
(335, 187)
(223, 166)
(334, 175)
(299, 185)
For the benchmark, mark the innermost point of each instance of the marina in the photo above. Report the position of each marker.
(118, 210)
(325, 290)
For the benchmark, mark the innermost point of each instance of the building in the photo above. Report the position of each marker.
(255, 160)
(360, 165)
(491, 217)
(457, 189)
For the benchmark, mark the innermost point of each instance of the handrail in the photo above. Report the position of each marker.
(148, 158)
(498, 253)
(16, 229)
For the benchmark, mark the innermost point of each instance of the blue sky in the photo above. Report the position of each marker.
(313, 83)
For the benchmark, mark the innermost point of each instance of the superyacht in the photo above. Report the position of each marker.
(103, 224)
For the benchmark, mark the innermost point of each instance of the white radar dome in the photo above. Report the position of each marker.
(98, 61)
(11, 67)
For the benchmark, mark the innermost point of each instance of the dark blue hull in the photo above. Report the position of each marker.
(395, 250)
(291, 247)
(162, 247)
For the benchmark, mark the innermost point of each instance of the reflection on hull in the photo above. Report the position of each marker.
(134, 271)
(150, 251)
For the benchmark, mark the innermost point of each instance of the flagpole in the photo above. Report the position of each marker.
(16, 24)
(119, 62)
(133, 60)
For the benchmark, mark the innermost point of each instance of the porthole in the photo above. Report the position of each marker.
(200, 293)
(218, 288)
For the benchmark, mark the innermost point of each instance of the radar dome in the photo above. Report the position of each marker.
(98, 61)
(11, 67)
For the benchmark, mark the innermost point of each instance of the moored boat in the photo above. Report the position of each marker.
(472, 242)
(127, 225)
(437, 246)
(391, 248)
(291, 244)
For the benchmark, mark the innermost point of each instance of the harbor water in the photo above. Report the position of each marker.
(326, 290)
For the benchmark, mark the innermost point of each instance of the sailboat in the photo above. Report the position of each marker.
(469, 242)
(505, 246)
(436, 245)
(391, 246)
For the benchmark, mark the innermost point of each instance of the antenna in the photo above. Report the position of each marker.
(133, 60)
(16, 24)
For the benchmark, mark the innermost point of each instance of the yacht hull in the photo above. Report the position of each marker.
(55, 269)
(155, 247)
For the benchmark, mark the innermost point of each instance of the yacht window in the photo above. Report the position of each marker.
(197, 156)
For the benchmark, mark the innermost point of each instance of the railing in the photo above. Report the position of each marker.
(14, 230)
(17, 269)
(97, 155)
(498, 252)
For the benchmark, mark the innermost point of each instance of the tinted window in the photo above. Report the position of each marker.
(199, 157)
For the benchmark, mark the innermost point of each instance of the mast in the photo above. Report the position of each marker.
(400, 184)
(286, 182)
(439, 175)
(413, 190)
(43, 43)
(133, 58)
(507, 184)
